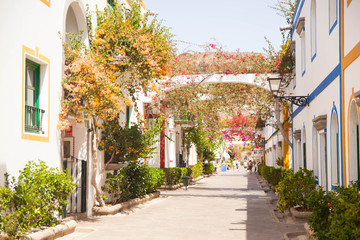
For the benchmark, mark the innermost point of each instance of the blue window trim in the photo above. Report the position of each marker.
(316, 151)
(315, 51)
(297, 14)
(326, 82)
(332, 26)
(340, 166)
(303, 73)
(313, 57)
(303, 57)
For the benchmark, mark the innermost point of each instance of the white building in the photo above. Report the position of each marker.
(32, 64)
(325, 133)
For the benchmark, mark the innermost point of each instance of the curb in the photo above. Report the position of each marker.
(111, 210)
(300, 215)
(309, 232)
(60, 230)
(170, 187)
(293, 235)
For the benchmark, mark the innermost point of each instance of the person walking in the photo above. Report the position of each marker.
(250, 166)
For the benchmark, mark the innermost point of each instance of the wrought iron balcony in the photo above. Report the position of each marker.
(33, 119)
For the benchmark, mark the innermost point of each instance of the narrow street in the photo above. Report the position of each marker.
(229, 205)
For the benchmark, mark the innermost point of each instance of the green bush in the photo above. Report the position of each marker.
(208, 168)
(133, 181)
(345, 214)
(156, 178)
(294, 189)
(196, 170)
(34, 199)
(336, 214)
(276, 175)
(175, 175)
(113, 184)
(171, 175)
(188, 171)
(320, 204)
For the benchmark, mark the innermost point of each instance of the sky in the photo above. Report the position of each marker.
(233, 24)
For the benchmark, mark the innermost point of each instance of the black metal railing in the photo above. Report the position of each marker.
(33, 119)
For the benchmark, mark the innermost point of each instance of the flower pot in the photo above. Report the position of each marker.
(300, 214)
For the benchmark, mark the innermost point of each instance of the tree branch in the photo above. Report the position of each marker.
(279, 124)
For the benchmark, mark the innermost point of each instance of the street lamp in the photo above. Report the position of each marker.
(275, 84)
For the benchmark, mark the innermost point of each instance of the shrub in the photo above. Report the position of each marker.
(133, 181)
(170, 176)
(196, 170)
(294, 189)
(188, 171)
(345, 214)
(208, 168)
(113, 184)
(320, 203)
(175, 175)
(276, 175)
(35, 199)
(155, 179)
(336, 214)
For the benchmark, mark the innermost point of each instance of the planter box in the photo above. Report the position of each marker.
(170, 187)
(309, 232)
(300, 215)
(59, 230)
(115, 166)
(110, 210)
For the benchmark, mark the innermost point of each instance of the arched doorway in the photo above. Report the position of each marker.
(74, 142)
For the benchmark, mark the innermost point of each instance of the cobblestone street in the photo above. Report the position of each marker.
(229, 205)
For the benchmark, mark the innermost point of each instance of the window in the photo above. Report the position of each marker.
(332, 14)
(303, 62)
(313, 29)
(315, 155)
(324, 161)
(354, 156)
(110, 3)
(335, 176)
(33, 114)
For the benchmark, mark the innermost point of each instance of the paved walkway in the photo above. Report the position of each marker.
(227, 206)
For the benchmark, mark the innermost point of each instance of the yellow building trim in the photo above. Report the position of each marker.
(346, 61)
(352, 98)
(47, 2)
(352, 55)
(35, 54)
(343, 91)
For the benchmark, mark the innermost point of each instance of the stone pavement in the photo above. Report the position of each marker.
(229, 205)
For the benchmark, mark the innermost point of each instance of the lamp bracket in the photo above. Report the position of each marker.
(300, 101)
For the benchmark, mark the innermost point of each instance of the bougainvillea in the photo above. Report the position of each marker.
(129, 52)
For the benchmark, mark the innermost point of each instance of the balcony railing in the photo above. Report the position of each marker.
(33, 119)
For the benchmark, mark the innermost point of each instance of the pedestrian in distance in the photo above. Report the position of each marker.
(250, 166)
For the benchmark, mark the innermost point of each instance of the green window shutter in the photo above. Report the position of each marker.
(32, 97)
(304, 154)
(337, 159)
(127, 116)
(358, 151)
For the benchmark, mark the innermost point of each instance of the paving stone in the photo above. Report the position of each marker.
(229, 205)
